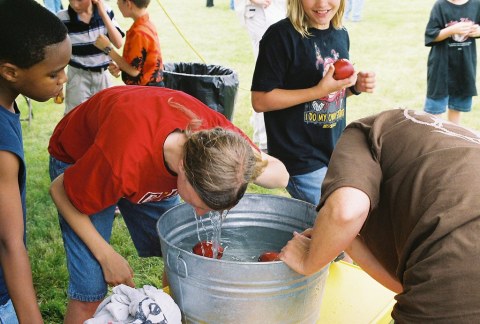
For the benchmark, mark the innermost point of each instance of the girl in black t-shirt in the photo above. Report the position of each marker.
(293, 85)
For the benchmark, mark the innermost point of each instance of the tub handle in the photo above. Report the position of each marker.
(177, 264)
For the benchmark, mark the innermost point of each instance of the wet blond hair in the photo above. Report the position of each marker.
(219, 163)
(299, 19)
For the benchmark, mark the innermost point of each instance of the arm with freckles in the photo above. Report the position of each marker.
(13, 253)
(116, 269)
(278, 99)
(274, 175)
(337, 224)
(369, 263)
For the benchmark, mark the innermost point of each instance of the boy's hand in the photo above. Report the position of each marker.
(102, 42)
(114, 69)
(116, 270)
(295, 253)
(99, 4)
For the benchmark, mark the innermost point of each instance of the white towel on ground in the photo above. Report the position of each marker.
(137, 306)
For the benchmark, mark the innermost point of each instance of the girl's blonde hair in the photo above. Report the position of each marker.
(219, 163)
(299, 19)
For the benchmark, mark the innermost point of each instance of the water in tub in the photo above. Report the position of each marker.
(240, 243)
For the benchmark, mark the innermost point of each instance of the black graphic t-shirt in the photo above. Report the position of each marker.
(452, 62)
(302, 136)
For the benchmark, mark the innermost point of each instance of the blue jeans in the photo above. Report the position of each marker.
(308, 186)
(7, 314)
(86, 276)
(439, 106)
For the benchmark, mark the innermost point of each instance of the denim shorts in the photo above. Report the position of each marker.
(439, 106)
(308, 186)
(7, 313)
(86, 282)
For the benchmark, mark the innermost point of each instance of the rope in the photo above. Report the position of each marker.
(185, 39)
(180, 32)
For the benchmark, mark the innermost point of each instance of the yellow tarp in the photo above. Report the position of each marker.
(352, 296)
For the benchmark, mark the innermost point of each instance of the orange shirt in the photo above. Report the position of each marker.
(142, 50)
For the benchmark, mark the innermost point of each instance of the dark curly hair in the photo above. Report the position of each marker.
(26, 28)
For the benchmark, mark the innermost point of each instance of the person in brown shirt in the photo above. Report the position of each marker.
(401, 197)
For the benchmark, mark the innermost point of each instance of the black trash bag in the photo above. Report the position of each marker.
(214, 85)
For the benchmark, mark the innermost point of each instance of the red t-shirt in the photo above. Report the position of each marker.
(115, 142)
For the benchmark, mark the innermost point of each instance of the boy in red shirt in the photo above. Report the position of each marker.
(141, 63)
(141, 156)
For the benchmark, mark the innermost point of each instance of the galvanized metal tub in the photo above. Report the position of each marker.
(222, 291)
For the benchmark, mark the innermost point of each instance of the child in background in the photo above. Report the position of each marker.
(293, 84)
(257, 16)
(85, 21)
(353, 10)
(452, 62)
(34, 52)
(53, 5)
(141, 63)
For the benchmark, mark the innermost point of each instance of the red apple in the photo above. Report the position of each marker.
(268, 256)
(343, 69)
(205, 248)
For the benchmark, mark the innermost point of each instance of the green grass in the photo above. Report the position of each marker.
(388, 41)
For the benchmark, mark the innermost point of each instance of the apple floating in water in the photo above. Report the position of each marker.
(268, 256)
(205, 248)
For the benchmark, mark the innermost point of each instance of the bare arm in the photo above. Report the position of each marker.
(275, 175)
(112, 31)
(338, 223)
(281, 98)
(116, 269)
(13, 253)
(367, 261)
(102, 42)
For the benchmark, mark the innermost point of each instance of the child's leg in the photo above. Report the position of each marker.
(141, 221)
(454, 116)
(457, 105)
(87, 286)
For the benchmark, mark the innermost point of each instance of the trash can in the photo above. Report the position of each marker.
(214, 85)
